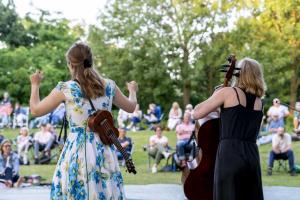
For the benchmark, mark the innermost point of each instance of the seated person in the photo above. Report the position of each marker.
(57, 115)
(23, 143)
(125, 143)
(135, 118)
(296, 136)
(273, 127)
(38, 121)
(275, 124)
(278, 109)
(5, 109)
(158, 147)
(184, 132)
(20, 115)
(122, 118)
(50, 128)
(9, 165)
(43, 140)
(281, 149)
(189, 109)
(151, 114)
(175, 115)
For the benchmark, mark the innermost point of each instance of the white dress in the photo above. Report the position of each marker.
(86, 169)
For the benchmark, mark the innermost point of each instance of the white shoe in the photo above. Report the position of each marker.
(166, 154)
(154, 169)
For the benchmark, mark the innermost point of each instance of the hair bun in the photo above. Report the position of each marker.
(87, 63)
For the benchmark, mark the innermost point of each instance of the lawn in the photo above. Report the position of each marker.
(279, 178)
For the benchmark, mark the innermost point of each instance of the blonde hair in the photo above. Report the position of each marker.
(80, 57)
(251, 77)
(175, 105)
(24, 129)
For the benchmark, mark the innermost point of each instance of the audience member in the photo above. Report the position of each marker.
(36, 122)
(296, 134)
(297, 117)
(5, 109)
(281, 149)
(151, 115)
(184, 132)
(125, 143)
(188, 108)
(123, 117)
(158, 147)
(175, 115)
(274, 124)
(279, 109)
(43, 140)
(23, 143)
(50, 128)
(135, 118)
(9, 165)
(20, 115)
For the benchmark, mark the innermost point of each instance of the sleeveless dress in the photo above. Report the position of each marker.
(237, 170)
(86, 169)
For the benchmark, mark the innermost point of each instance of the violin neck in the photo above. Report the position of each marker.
(116, 142)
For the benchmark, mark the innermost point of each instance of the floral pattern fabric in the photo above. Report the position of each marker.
(86, 169)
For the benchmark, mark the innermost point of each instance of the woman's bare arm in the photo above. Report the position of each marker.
(210, 105)
(127, 104)
(48, 104)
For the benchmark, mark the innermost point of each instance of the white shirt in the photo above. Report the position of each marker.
(22, 139)
(43, 137)
(282, 142)
(281, 111)
(156, 140)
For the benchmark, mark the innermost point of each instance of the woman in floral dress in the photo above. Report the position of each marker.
(87, 169)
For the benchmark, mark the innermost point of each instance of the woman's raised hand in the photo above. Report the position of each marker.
(132, 86)
(36, 78)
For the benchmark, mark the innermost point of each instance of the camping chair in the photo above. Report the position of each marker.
(282, 164)
(147, 147)
(24, 122)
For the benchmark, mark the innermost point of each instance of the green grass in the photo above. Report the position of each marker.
(140, 158)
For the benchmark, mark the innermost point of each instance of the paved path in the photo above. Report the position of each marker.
(146, 192)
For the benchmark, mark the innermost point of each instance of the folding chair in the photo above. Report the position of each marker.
(24, 122)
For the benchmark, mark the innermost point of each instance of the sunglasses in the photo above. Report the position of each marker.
(7, 145)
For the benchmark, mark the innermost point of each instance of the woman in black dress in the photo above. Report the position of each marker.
(237, 169)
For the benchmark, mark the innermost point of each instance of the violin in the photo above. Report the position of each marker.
(102, 123)
(198, 176)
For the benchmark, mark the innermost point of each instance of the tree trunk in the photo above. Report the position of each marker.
(186, 72)
(186, 92)
(295, 82)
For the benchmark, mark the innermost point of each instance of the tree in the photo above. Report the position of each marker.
(177, 29)
(272, 35)
(12, 31)
(51, 39)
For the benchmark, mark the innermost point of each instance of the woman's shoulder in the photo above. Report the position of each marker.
(108, 82)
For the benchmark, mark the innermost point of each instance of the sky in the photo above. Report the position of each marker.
(79, 11)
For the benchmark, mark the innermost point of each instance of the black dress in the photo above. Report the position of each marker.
(237, 169)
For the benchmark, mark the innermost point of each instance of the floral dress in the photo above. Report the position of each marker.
(86, 169)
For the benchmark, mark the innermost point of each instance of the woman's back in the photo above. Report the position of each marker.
(78, 108)
(237, 170)
(241, 121)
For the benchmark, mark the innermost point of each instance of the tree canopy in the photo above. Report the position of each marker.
(172, 48)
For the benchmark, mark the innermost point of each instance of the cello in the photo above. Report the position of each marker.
(198, 175)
